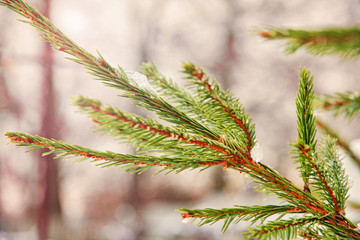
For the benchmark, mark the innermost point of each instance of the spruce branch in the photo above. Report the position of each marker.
(283, 229)
(132, 163)
(319, 175)
(334, 174)
(307, 227)
(341, 103)
(311, 167)
(339, 41)
(148, 134)
(328, 232)
(306, 143)
(207, 127)
(332, 231)
(223, 103)
(206, 111)
(104, 72)
(236, 214)
(152, 136)
(117, 78)
(174, 94)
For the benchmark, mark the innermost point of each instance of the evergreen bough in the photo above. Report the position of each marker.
(208, 127)
(339, 41)
(344, 42)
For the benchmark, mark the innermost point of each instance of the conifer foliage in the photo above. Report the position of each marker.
(347, 103)
(342, 41)
(206, 127)
(339, 41)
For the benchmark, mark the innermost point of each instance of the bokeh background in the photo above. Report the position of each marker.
(87, 202)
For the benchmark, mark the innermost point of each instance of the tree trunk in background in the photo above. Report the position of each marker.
(49, 205)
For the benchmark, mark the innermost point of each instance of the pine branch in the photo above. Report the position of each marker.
(309, 227)
(207, 127)
(272, 182)
(223, 104)
(104, 72)
(132, 163)
(305, 146)
(117, 78)
(148, 134)
(310, 166)
(174, 94)
(306, 227)
(333, 231)
(334, 174)
(236, 214)
(284, 229)
(342, 103)
(204, 110)
(329, 232)
(340, 41)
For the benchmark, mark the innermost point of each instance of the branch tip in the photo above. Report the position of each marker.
(266, 35)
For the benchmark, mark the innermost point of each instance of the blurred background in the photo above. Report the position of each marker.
(54, 199)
